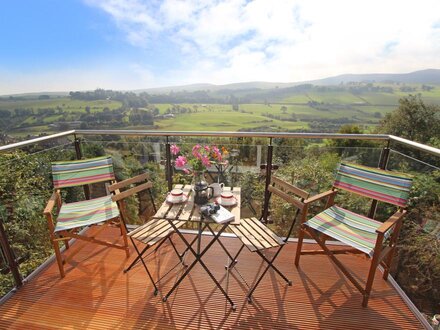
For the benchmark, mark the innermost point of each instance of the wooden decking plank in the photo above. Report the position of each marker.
(96, 294)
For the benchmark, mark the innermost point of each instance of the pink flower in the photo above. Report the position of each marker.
(205, 161)
(207, 148)
(174, 149)
(186, 171)
(216, 153)
(195, 151)
(181, 161)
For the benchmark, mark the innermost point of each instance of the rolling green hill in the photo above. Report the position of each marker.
(294, 108)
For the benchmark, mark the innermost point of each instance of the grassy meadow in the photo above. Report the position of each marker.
(295, 111)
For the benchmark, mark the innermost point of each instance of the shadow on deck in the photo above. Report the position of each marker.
(97, 294)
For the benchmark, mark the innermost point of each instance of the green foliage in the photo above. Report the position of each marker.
(413, 120)
(25, 188)
(425, 190)
(312, 173)
(360, 149)
(418, 266)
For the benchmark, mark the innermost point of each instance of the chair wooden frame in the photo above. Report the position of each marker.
(152, 232)
(257, 237)
(75, 233)
(381, 255)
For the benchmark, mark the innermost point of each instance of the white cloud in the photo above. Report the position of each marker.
(223, 41)
(279, 40)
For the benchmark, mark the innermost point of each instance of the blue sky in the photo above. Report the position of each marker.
(63, 45)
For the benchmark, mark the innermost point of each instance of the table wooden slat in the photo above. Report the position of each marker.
(189, 205)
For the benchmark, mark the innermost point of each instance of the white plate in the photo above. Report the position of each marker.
(233, 201)
(183, 200)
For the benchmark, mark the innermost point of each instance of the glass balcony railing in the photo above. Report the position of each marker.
(306, 160)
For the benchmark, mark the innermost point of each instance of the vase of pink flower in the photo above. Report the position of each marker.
(200, 159)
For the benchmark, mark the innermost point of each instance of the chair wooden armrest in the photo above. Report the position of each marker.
(320, 196)
(54, 199)
(391, 222)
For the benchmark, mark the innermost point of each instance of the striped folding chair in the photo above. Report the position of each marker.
(363, 234)
(72, 217)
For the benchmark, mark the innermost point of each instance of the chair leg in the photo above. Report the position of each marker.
(370, 279)
(234, 259)
(387, 263)
(66, 244)
(123, 229)
(269, 265)
(156, 290)
(299, 245)
(56, 247)
(392, 245)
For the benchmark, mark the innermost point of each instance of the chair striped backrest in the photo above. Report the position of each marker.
(82, 172)
(382, 185)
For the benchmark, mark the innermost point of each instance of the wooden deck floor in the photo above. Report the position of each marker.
(96, 294)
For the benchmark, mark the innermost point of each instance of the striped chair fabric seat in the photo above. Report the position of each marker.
(386, 186)
(82, 172)
(85, 213)
(350, 228)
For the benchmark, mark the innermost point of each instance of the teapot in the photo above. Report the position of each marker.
(202, 192)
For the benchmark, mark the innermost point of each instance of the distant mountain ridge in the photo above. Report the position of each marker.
(428, 76)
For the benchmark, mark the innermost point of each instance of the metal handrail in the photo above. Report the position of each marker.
(34, 141)
(383, 137)
(416, 145)
(377, 137)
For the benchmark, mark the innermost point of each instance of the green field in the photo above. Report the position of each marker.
(317, 107)
(334, 97)
(224, 121)
(63, 103)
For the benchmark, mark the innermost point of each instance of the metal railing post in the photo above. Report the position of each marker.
(77, 144)
(268, 179)
(168, 168)
(9, 254)
(383, 162)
